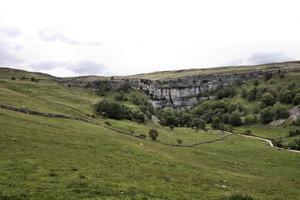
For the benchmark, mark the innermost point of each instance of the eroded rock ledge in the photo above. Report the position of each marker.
(183, 93)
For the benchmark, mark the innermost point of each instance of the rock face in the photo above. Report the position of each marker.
(184, 92)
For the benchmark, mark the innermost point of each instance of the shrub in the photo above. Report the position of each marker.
(296, 122)
(119, 111)
(107, 123)
(168, 117)
(199, 123)
(244, 93)
(277, 142)
(295, 144)
(256, 82)
(266, 115)
(268, 99)
(179, 141)
(120, 97)
(296, 100)
(235, 119)
(153, 134)
(294, 132)
(143, 136)
(250, 119)
(124, 88)
(32, 79)
(286, 96)
(248, 132)
(280, 111)
(217, 124)
(251, 96)
(268, 76)
(13, 78)
(186, 120)
(226, 92)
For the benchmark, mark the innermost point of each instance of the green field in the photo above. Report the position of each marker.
(51, 158)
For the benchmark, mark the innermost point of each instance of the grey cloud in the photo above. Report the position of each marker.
(58, 35)
(88, 67)
(7, 57)
(9, 32)
(85, 67)
(260, 58)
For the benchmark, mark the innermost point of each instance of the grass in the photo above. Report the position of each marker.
(48, 158)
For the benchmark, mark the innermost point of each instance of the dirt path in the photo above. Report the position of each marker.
(268, 141)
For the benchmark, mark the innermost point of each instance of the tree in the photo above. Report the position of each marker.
(266, 115)
(252, 94)
(153, 134)
(216, 123)
(296, 100)
(280, 111)
(167, 117)
(199, 123)
(286, 96)
(186, 120)
(268, 99)
(235, 119)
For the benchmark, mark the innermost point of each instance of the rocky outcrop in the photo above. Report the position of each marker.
(185, 92)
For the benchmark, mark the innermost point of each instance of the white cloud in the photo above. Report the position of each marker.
(140, 36)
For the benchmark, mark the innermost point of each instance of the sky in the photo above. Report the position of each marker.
(118, 37)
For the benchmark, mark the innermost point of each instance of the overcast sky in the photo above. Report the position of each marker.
(118, 37)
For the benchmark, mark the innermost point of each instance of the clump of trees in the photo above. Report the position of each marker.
(144, 105)
(119, 111)
(278, 111)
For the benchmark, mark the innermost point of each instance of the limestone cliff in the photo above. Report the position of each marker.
(186, 91)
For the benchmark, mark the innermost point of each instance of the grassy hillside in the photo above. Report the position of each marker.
(49, 158)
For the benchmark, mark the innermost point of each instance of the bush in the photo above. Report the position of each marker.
(179, 141)
(119, 111)
(296, 100)
(153, 134)
(186, 120)
(107, 123)
(296, 122)
(217, 124)
(239, 196)
(277, 142)
(268, 76)
(250, 119)
(143, 136)
(294, 132)
(286, 96)
(120, 97)
(167, 117)
(199, 123)
(295, 144)
(280, 111)
(268, 99)
(235, 119)
(13, 78)
(251, 96)
(266, 115)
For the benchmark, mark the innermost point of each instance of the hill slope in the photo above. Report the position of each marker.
(52, 158)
